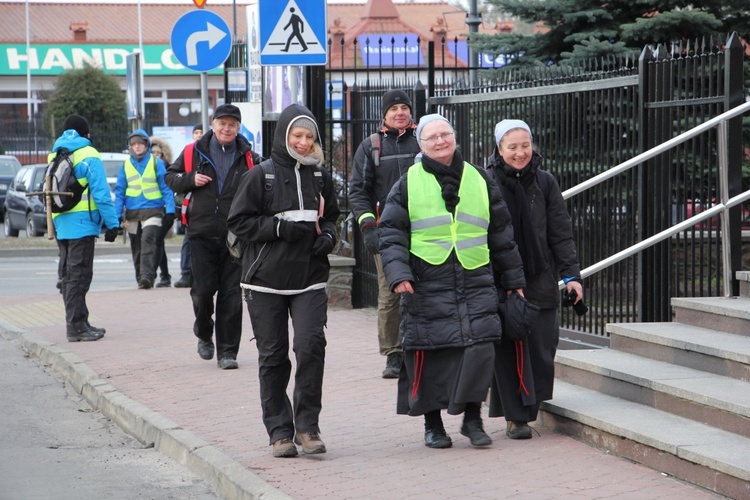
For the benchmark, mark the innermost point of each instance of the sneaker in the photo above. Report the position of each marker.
(183, 282)
(310, 442)
(393, 365)
(205, 349)
(518, 430)
(145, 283)
(164, 282)
(228, 364)
(474, 430)
(284, 447)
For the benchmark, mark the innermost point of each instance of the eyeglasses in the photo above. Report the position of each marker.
(434, 138)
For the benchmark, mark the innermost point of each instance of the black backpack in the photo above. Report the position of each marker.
(62, 186)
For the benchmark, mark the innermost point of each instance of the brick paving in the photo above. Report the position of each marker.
(149, 354)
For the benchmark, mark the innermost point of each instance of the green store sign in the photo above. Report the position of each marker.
(51, 60)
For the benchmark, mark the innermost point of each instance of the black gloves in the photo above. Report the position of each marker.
(292, 231)
(168, 220)
(372, 240)
(110, 235)
(323, 245)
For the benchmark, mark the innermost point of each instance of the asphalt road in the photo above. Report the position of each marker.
(53, 446)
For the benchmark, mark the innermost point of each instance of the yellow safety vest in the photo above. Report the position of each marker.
(145, 183)
(87, 203)
(435, 232)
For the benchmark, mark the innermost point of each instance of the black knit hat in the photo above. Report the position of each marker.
(77, 123)
(198, 126)
(393, 97)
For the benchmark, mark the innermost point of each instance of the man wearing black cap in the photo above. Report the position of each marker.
(78, 228)
(379, 162)
(219, 159)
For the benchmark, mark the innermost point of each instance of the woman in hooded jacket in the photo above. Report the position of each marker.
(284, 215)
(525, 370)
(161, 149)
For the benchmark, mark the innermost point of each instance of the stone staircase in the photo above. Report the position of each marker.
(672, 396)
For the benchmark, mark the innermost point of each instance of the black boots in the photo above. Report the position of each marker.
(82, 332)
(434, 432)
(472, 427)
(393, 365)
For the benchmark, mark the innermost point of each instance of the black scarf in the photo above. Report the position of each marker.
(448, 176)
(514, 184)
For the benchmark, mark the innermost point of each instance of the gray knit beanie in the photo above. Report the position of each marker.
(424, 121)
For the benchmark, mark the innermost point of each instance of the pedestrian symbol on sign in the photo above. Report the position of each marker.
(290, 35)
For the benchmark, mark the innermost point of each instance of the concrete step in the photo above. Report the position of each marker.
(730, 315)
(707, 398)
(685, 345)
(700, 454)
(744, 279)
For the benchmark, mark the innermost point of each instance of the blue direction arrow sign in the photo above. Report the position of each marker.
(201, 40)
(290, 35)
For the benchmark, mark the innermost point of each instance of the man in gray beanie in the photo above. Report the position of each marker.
(379, 162)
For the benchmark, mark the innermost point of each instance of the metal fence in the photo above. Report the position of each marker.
(585, 119)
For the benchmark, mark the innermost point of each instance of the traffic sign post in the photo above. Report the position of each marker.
(201, 40)
(294, 36)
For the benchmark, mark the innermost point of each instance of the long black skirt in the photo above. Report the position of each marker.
(525, 372)
(444, 379)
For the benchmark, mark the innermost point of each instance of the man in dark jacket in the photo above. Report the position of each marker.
(219, 159)
(376, 169)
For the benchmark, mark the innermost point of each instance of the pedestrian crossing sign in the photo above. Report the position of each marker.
(290, 35)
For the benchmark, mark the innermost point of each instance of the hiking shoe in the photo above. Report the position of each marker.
(228, 364)
(183, 282)
(165, 282)
(205, 349)
(393, 365)
(474, 430)
(310, 442)
(437, 438)
(96, 329)
(518, 430)
(284, 448)
(82, 333)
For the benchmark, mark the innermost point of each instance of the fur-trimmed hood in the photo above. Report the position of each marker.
(166, 149)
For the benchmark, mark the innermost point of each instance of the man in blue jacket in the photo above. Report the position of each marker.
(78, 227)
(141, 197)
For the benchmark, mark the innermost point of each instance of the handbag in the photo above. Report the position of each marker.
(518, 316)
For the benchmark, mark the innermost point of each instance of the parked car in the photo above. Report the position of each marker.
(23, 212)
(112, 163)
(694, 207)
(9, 167)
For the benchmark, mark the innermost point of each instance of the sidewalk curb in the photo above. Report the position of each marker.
(227, 477)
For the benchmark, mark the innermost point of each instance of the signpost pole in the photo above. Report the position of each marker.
(204, 100)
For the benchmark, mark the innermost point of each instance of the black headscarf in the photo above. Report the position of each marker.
(514, 183)
(448, 176)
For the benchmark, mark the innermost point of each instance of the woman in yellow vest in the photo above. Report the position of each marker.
(143, 199)
(445, 227)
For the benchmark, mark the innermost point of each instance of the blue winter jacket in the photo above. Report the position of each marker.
(76, 225)
(140, 202)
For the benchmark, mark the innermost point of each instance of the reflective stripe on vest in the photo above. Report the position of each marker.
(87, 203)
(145, 183)
(435, 232)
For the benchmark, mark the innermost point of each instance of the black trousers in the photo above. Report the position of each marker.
(76, 270)
(269, 314)
(214, 273)
(164, 260)
(146, 247)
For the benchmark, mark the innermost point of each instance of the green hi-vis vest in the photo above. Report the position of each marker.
(435, 232)
(87, 203)
(145, 183)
